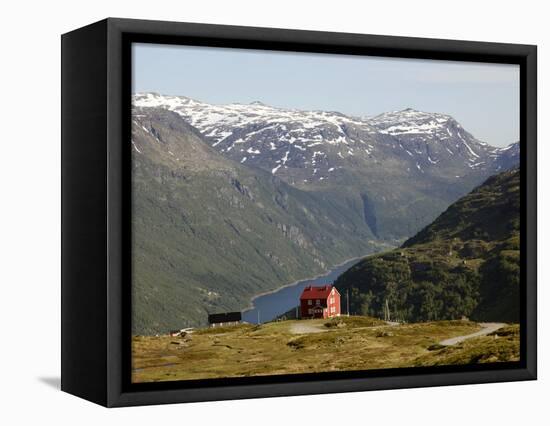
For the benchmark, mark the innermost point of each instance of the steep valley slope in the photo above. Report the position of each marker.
(209, 233)
(466, 263)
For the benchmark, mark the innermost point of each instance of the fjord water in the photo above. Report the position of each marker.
(267, 307)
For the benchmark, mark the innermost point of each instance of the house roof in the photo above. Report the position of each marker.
(316, 292)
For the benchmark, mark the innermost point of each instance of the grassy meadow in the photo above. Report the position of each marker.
(310, 346)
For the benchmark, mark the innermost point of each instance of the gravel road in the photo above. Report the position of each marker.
(303, 327)
(488, 327)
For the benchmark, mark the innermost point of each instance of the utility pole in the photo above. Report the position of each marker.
(347, 300)
(258, 316)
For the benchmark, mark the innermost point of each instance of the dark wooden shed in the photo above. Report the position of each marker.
(224, 319)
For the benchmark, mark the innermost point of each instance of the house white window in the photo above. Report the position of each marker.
(332, 300)
(317, 302)
(310, 302)
(310, 311)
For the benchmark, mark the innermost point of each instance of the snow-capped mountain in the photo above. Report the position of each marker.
(305, 147)
(429, 135)
(506, 158)
(433, 137)
(275, 139)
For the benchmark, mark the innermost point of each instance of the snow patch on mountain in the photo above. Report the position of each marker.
(214, 120)
(290, 141)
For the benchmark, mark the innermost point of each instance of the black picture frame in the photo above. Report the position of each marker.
(95, 288)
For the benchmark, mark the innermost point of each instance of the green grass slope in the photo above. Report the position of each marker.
(465, 263)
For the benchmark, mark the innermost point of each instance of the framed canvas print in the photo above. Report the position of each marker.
(252, 212)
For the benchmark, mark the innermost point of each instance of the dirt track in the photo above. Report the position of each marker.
(303, 327)
(488, 327)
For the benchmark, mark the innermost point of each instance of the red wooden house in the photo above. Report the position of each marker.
(320, 302)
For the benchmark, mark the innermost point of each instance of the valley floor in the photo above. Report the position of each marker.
(308, 346)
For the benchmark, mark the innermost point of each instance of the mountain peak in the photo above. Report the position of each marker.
(152, 100)
(412, 121)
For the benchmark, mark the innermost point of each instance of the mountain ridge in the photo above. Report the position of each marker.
(329, 152)
(278, 138)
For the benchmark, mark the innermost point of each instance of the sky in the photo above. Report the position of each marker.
(484, 98)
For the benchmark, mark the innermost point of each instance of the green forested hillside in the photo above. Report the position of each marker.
(465, 263)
